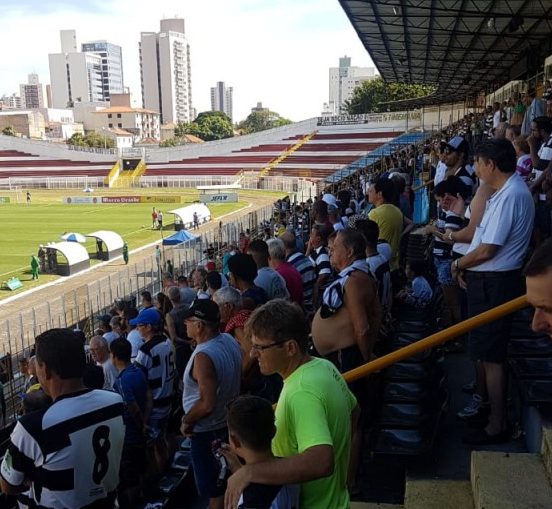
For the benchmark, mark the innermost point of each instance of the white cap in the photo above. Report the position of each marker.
(330, 199)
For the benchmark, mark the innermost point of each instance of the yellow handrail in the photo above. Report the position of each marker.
(436, 339)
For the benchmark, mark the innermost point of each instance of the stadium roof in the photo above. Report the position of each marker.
(460, 46)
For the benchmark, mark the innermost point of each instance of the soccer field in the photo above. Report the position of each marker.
(24, 227)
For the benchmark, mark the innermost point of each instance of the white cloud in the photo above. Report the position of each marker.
(274, 51)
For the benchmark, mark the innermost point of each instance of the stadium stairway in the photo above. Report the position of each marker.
(282, 157)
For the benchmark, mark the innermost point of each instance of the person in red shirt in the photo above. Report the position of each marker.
(277, 260)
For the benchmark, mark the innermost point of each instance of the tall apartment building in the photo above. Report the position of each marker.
(112, 66)
(221, 99)
(33, 93)
(343, 81)
(74, 77)
(165, 72)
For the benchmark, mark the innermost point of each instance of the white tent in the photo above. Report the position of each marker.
(113, 243)
(185, 215)
(75, 254)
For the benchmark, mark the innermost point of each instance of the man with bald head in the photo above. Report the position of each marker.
(302, 264)
(99, 349)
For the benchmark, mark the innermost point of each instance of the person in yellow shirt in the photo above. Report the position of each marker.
(382, 195)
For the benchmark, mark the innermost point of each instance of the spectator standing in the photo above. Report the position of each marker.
(317, 251)
(133, 336)
(491, 273)
(156, 359)
(388, 217)
(267, 278)
(253, 445)
(535, 109)
(314, 415)
(243, 272)
(211, 381)
(187, 294)
(303, 265)
(277, 261)
(99, 350)
(131, 384)
(83, 460)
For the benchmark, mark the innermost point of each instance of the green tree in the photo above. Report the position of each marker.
(170, 142)
(211, 125)
(370, 96)
(9, 131)
(261, 121)
(93, 139)
(180, 129)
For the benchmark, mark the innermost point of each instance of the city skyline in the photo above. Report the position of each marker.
(285, 67)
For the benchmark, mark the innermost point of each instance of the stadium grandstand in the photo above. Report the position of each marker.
(422, 273)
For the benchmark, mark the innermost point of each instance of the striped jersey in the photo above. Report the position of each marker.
(321, 261)
(156, 358)
(305, 267)
(447, 221)
(71, 451)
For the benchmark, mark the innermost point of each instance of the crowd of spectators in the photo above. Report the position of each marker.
(275, 319)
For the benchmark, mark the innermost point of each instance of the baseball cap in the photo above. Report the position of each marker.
(330, 199)
(148, 316)
(210, 266)
(204, 309)
(457, 144)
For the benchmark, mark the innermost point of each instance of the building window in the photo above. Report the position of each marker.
(110, 125)
(120, 125)
(109, 115)
(118, 115)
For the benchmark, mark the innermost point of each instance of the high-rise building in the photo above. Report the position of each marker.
(112, 66)
(343, 81)
(165, 72)
(221, 99)
(74, 77)
(33, 93)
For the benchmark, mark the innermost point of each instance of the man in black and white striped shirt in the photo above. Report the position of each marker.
(156, 358)
(318, 253)
(69, 453)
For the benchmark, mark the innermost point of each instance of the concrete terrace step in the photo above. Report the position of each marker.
(373, 505)
(438, 494)
(509, 481)
(546, 450)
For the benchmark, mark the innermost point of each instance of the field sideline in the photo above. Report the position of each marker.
(24, 227)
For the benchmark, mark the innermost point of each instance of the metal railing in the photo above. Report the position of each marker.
(436, 339)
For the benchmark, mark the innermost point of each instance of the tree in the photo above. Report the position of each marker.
(9, 131)
(261, 120)
(209, 126)
(180, 129)
(371, 95)
(170, 142)
(92, 139)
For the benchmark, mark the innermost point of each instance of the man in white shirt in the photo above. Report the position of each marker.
(491, 273)
(99, 349)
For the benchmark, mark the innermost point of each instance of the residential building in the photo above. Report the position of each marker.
(10, 102)
(111, 67)
(33, 93)
(343, 81)
(221, 99)
(60, 124)
(141, 122)
(27, 123)
(165, 72)
(74, 77)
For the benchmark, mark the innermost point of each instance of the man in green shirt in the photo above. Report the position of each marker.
(314, 415)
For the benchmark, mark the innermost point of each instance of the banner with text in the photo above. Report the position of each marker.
(160, 199)
(121, 199)
(218, 198)
(82, 200)
(4, 199)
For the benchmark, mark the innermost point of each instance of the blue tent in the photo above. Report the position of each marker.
(178, 238)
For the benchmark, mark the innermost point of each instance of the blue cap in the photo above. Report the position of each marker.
(148, 316)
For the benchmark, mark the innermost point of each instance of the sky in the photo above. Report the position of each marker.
(277, 52)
